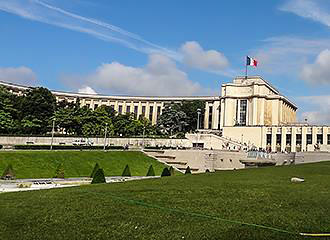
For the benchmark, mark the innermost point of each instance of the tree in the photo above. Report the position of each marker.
(6, 122)
(126, 172)
(188, 171)
(172, 171)
(190, 109)
(173, 119)
(166, 173)
(151, 171)
(9, 172)
(38, 104)
(99, 177)
(96, 167)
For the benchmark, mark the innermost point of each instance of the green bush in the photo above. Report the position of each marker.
(64, 147)
(98, 177)
(126, 172)
(1, 146)
(9, 172)
(59, 172)
(207, 171)
(151, 171)
(166, 172)
(96, 167)
(188, 171)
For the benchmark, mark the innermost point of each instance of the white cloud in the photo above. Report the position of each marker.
(287, 55)
(318, 109)
(319, 71)
(20, 75)
(87, 90)
(195, 56)
(160, 77)
(311, 9)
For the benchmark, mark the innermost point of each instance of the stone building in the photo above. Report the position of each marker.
(249, 110)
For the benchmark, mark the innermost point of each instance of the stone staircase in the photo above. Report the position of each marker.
(170, 160)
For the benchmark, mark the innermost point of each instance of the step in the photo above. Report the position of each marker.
(192, 169)
(154, 151)
(176, 162)
(165, 156)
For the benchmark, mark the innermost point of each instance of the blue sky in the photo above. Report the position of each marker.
(169, 47)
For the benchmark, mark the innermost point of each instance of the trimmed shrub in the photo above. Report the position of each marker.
(207, 171)
(96, 167)
(188, 171)
(172, 171)
(166, 173)
(9, 173)
(126, 172)
(1, 146)
(59, 172)
(151, 171)
(64, 147)
(98, 177)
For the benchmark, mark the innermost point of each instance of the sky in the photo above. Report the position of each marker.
(144, 47)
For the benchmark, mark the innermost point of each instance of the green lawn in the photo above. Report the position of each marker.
(42, 164)
(177, 207)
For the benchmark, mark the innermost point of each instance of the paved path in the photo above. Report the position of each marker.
(48, 183)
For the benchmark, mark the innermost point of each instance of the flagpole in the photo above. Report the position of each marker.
(246, 70)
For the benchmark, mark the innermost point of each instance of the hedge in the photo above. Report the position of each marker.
(64, 147)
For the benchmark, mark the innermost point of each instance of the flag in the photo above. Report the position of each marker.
(251, 62)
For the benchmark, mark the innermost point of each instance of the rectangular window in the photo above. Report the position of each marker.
(95, 106)
(128, 109)
(269, 139)
(319, 138)
(158, 111)
(288, 139)
(120, 109)
(309, 139)
(242, 112)
(151, 111)
(298, 139)
(143, 111)
(136, 108)
(328, 139)
(278, 139)
(210, 117)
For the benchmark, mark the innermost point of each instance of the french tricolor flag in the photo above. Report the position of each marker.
(251, 62)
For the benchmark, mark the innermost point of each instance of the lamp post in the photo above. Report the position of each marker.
(198, 114)
(105, 136)
(53, 129)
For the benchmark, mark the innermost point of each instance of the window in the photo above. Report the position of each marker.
(309, 139)
(210, 117)
(242, 112)
(319, 138)
(128, 109)
(120, 109)
(158, 111)
(95, 106)
(143, 110)
(151, 110)
(88, 105)
(328, 139)
(136, 108)
(278, 139)
(288, 139)
(269, 139)
(298, 139)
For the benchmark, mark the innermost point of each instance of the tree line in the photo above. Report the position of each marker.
(34, 111)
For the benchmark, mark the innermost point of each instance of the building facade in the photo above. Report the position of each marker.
(248, 110)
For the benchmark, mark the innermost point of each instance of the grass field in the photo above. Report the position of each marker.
(42, 164)
(177, 207)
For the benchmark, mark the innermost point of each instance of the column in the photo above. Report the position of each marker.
(283, 139)
(124, 107)
(254, 111)
(303, 139)
(154, 114)
(262, 111)
(325, 135)
(206, 116)
(222, 113)
(293, 139)
(314, 137)
(215, 114)
(274, 132)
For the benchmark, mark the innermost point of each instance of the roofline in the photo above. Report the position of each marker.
(100, 96)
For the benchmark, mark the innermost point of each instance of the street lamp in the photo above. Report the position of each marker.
(53, 129)
(198, 114)
(105, 136)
